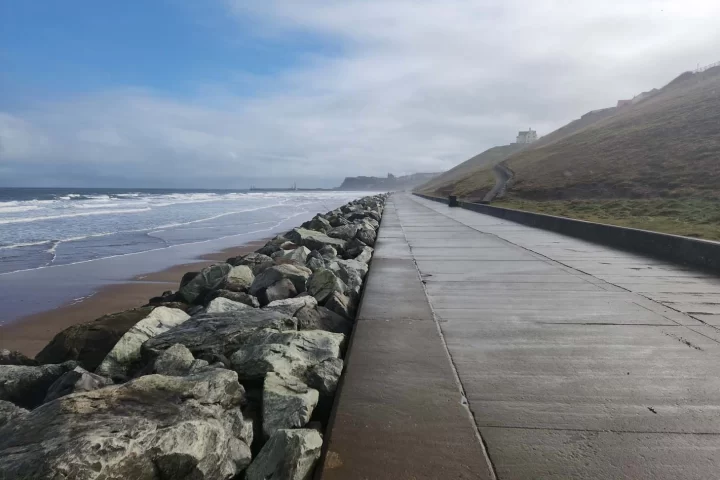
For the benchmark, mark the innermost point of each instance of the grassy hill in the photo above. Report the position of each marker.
(454, 181)
(654, 164)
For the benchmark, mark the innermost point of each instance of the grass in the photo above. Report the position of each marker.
(691, 217)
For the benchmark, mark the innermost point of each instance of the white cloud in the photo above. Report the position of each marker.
(417, 86)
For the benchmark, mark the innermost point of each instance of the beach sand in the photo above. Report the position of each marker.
(30, 334)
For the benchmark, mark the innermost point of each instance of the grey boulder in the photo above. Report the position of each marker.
(279, 290)
(209, 278)
(239, 278)
(314, 240)
(175, 361)
(151, 428)
(365, 255)
(286, 403)
(321, 318)
(213, 337)
(341, 305)
(26, 386)
(8, 357)
(287, 455)
(367, 236)
(10, 411)
(254, 362)
(323, 283)
(298, 275)
(74, 381)
(345, 232)
(290, 306)
(225, 305)
(298, 255)
(240, 297)
(324, 376)
(253, 260)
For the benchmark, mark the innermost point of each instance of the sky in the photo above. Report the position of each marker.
(233, 93)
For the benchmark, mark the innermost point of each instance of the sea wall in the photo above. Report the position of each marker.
(685, 250)
(231, 376)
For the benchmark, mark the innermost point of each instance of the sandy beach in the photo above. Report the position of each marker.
(31, 333)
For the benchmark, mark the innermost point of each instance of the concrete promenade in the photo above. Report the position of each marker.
(488, 349)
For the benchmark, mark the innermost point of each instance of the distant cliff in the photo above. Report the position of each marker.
(386, 184)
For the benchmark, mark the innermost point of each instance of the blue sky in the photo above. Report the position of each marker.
(227, 93)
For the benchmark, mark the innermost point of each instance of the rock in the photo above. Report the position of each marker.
(75, 381)
(278, 291)
(351, 272)
(213, 337)
(324, 377)
(365, 255)
(8, 357)
(298, 255)
(125, 355)
(225, 305)
(9, 411)
(152, 428)
(315, 240)
(367, 236)
(239, 279)
(252, 260)
(315, 264)
(209, 278)
(318, 223)
(287, 455)
(323, 283)
(89, 343)
(291, 306)
(354, 247)
(341, 305)
(328, 253)
(287, 403)
(323, 319)
(26, 386)
(240, 297)
(187, 276)
(254, 362)
(345, 232)
(314, 346)
(175, 361)
(268, 249)
(298, 275)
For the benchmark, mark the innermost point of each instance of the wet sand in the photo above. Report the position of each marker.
(31, 333)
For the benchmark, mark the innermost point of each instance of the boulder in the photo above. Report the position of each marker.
(187, 276)
(254, 362)
(351, 272)
(9, 411)
(367, 236)
(89, 343)
(324, 376)
(286, 403)
(239, 278)
(354, 248)
(314, 346)
(240, 297)
(315, 263)
(341, 305)
(152, 428)
(323, 319)
(252, 260)
(298, 275)
(26, 386)
(298, 255)
(74, 381)
(287, 455)
(365, 255)
(125, 355)
(209, 278)
(268, 249)
(225, 305)
(280, 290)
(323, 283)
(13, 357)
(345, 232)
(213, 337)
(328, 253)
(175, 361)
(291, 306)
(318, 223)
(315, 240)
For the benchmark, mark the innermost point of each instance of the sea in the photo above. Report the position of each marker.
(113, 234)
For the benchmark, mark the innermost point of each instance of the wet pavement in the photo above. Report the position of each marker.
(577, 360)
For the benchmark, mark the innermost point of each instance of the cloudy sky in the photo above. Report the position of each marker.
(228, 93)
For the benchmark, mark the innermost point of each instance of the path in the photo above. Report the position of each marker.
(577, 360)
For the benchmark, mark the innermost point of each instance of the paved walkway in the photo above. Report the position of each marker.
(525, 354)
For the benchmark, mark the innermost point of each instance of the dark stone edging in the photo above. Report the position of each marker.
(689, 251)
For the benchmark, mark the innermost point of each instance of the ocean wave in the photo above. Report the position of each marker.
(17, 209)
(26, 244)
(70, 215)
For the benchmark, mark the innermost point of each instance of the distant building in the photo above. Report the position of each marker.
(528, 136)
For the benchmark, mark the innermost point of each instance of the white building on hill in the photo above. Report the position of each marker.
(528, 136)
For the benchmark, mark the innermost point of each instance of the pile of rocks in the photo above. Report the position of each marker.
(232, 376)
